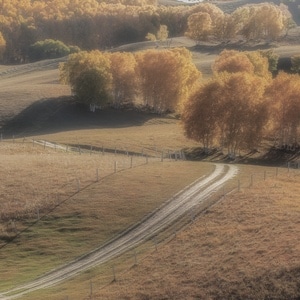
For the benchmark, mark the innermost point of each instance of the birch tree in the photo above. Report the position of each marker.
(284, 106)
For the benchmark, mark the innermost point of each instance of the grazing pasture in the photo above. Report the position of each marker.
(57, 205)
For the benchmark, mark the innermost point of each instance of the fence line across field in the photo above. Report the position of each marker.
(115, 162)
(150, 152)
(159, 239)
(135, 256)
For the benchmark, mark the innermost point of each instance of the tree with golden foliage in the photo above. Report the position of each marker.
(260, 21)
(2, 45)
(243, 111)
(88, 74)
(233, 61)
(161, 35)
(124, 79)
(227, 111)
(165, 77)
(199, 26)
(284, 106)
(201, 114)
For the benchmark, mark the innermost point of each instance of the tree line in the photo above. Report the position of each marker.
(242, 103)
(263, 21)
(96, 24)
(235, 109)
(157, 79)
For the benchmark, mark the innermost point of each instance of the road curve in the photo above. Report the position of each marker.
(173, 209)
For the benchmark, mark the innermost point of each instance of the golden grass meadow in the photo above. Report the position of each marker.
(57, 205)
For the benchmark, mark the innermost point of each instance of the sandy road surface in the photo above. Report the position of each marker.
(173, 209)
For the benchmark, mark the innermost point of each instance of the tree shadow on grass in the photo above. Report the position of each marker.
(64, 114)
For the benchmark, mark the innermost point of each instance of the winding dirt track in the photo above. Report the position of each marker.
(173, 209)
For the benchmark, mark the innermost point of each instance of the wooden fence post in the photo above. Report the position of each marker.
(78, 185)
(97, 174)
(251, 180)
(91, 288)
(114, 274)
(135, 258)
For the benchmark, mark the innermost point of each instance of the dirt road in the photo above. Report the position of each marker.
(173, 209)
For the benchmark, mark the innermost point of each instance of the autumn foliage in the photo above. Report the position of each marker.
(96, 24)
(252, 22)
(242, 103)
(158, 79)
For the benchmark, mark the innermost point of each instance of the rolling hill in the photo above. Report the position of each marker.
(245, 246)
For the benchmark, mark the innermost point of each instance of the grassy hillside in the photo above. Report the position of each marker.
(54, 208)
(245, 247)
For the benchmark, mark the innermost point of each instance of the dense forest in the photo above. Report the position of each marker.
(96, 24)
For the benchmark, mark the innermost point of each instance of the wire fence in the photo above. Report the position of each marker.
(117, 160)
(57, 178)
(118, 268)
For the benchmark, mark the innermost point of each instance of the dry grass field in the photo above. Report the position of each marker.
(72, 222)
(34, 178)
(53, 208)
(245, 247)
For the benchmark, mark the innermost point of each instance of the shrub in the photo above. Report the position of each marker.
(48, 49)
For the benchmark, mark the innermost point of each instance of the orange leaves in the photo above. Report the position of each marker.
(124, 79)
(199, 26)
(166, 77)
(233, 61)
(242, 102)
(259, 21)
(229, 110)
(204, 20)
(201, 113)
(82, 61)
(264, 21)
(284, 102)
(2, 45)
(160, 78)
